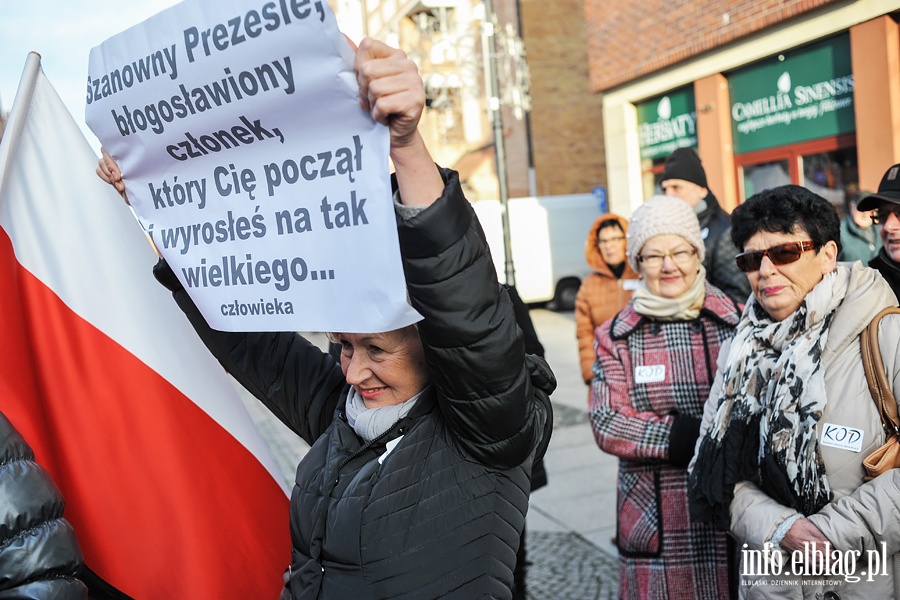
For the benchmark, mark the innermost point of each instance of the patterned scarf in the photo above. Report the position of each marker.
(772, 396)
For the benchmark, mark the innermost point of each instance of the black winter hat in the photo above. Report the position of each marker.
(684, 164)
(888, 190)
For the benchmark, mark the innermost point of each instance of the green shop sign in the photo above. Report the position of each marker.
(800, 95)
(667, 123)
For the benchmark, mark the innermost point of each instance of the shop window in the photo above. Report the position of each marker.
(828, 167)
(831, 174)
(757, 178)
(651, 175)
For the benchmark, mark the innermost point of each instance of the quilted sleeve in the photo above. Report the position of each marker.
(474, 349)
(39, 553)
(292, 377)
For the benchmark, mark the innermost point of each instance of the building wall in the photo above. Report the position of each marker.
(566, 118)
(632, 38)
(875, 47)
(624, 173)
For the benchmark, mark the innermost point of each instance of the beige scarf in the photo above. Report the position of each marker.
(685, 307)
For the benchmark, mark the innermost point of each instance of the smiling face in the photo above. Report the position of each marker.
(384, 368)
(780, 289)
(678, 270)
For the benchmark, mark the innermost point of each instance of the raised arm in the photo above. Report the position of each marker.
(475, 354)
(495, 402)
(391, 89)
(292, 377)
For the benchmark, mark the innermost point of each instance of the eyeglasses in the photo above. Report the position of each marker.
(881, 215)
(614, 240)
(782, 254)
(654, 261)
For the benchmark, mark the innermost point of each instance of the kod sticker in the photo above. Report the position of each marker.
(841, 436)
(650, 374)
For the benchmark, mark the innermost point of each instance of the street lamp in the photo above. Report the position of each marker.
(507, 82)
(489, 49)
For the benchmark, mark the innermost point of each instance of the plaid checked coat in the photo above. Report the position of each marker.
(651, 379)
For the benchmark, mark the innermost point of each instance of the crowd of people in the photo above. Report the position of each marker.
(719, 352)
(723, 410)
(655, 366)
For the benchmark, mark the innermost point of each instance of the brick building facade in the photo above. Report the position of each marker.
(628, 40)
(566, 125)
(646, 57)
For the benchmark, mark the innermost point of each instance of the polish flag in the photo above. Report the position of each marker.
(170, 487)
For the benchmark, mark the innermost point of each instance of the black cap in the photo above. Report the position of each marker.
(888, 191)
(684, 164)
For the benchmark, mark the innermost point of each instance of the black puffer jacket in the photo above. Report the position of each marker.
(39, 553)
(440, 514)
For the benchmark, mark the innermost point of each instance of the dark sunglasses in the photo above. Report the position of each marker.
(881, 215)
(782, 254)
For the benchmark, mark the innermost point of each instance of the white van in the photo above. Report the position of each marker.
(547, 234)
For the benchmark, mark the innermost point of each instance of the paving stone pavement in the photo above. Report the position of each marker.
(571, 521)
(564, 565)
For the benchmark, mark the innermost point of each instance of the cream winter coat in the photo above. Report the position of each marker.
(863, 519)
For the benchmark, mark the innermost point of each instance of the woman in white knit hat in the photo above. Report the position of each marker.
(656, 362)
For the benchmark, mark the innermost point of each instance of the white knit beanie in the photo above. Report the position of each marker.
(661, 215)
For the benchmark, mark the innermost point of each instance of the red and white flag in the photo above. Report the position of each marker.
(171, 489)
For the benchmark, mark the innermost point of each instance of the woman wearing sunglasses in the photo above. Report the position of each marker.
(656, 363)
(790, 419)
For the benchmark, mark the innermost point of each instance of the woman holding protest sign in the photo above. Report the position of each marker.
(791, 419)
(423, 438)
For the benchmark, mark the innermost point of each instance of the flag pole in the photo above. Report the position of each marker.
(18, 112)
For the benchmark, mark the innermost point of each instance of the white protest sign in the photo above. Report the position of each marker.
(249, 162)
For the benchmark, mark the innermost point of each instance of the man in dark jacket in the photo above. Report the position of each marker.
(39, 553)
(685, 178)
(886, 203)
